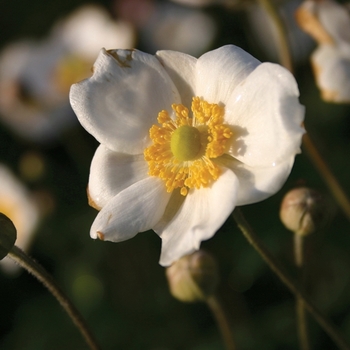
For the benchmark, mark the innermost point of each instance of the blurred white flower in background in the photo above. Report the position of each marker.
(35, 76)
(200, 3)
(169, 26)
(176, 28)
(90, 28)
(18, 205)
(329, 24)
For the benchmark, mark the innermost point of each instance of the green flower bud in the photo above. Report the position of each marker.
(194, 277)
(304, 211)
(8, 235)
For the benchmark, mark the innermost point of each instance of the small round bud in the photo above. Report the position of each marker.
(304, 210)
(8, 235)
(194, 277)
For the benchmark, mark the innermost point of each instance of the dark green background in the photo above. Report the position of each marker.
(130, 307)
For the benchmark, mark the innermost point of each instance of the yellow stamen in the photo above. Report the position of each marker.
(184, 150)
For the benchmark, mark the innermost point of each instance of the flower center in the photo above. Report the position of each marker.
(69, 70)
(184, 150)
(185, 142)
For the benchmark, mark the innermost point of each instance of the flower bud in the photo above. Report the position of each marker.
(194, 277)
(8, 235)
(303, 210)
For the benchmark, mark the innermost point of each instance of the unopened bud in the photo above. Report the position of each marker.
(304, 210)
(193, 277)
(8, 235)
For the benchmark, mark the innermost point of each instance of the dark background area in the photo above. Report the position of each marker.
(120, 288)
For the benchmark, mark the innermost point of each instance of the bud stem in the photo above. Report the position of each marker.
(222, 321)
(47, 280)
(274, 265)
(302, 326)
(285, 56)
(332, 183)
(299, 250)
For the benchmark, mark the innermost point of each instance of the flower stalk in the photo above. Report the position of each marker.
(302, 325)
(294, 288)
(195, 278)
(329, 178)
(222, 322)
(303, 211)
(285, 56)
(47, 280)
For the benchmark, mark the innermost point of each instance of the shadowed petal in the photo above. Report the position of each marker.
(257, 184)
(266, 109)
(122, 99)
(181, 69)
(136, 209)
(111, 173)
(202, 213)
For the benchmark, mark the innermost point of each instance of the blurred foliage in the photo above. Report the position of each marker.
(120, 288)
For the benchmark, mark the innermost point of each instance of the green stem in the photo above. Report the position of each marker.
(254, 240)
(46, 279)
(329, 178)
(302, 326)
(221, 321)
(285, 56)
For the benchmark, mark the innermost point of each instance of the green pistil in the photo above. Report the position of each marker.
(185, 143)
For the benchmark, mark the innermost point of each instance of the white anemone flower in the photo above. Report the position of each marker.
(35, 76)
(178, 28)
(329, 24)
(184, 141)
(17, 204)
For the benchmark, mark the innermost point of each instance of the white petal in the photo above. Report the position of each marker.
(257, 184)
(136, 209)
(179, 28)
(181, 69)
(332, 70)
(91, 27)
(112, 172)
(202, 213)
(122, 99)
(266, 116)
(307, 17)
(218, 72)
(335, 19)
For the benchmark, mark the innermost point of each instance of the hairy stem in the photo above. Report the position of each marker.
(254, 240)
(46, 279)
(329, 178)
(285, 56)
(302, 326)
(222, 321)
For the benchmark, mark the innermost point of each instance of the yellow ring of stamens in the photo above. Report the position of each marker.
(183, 149)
